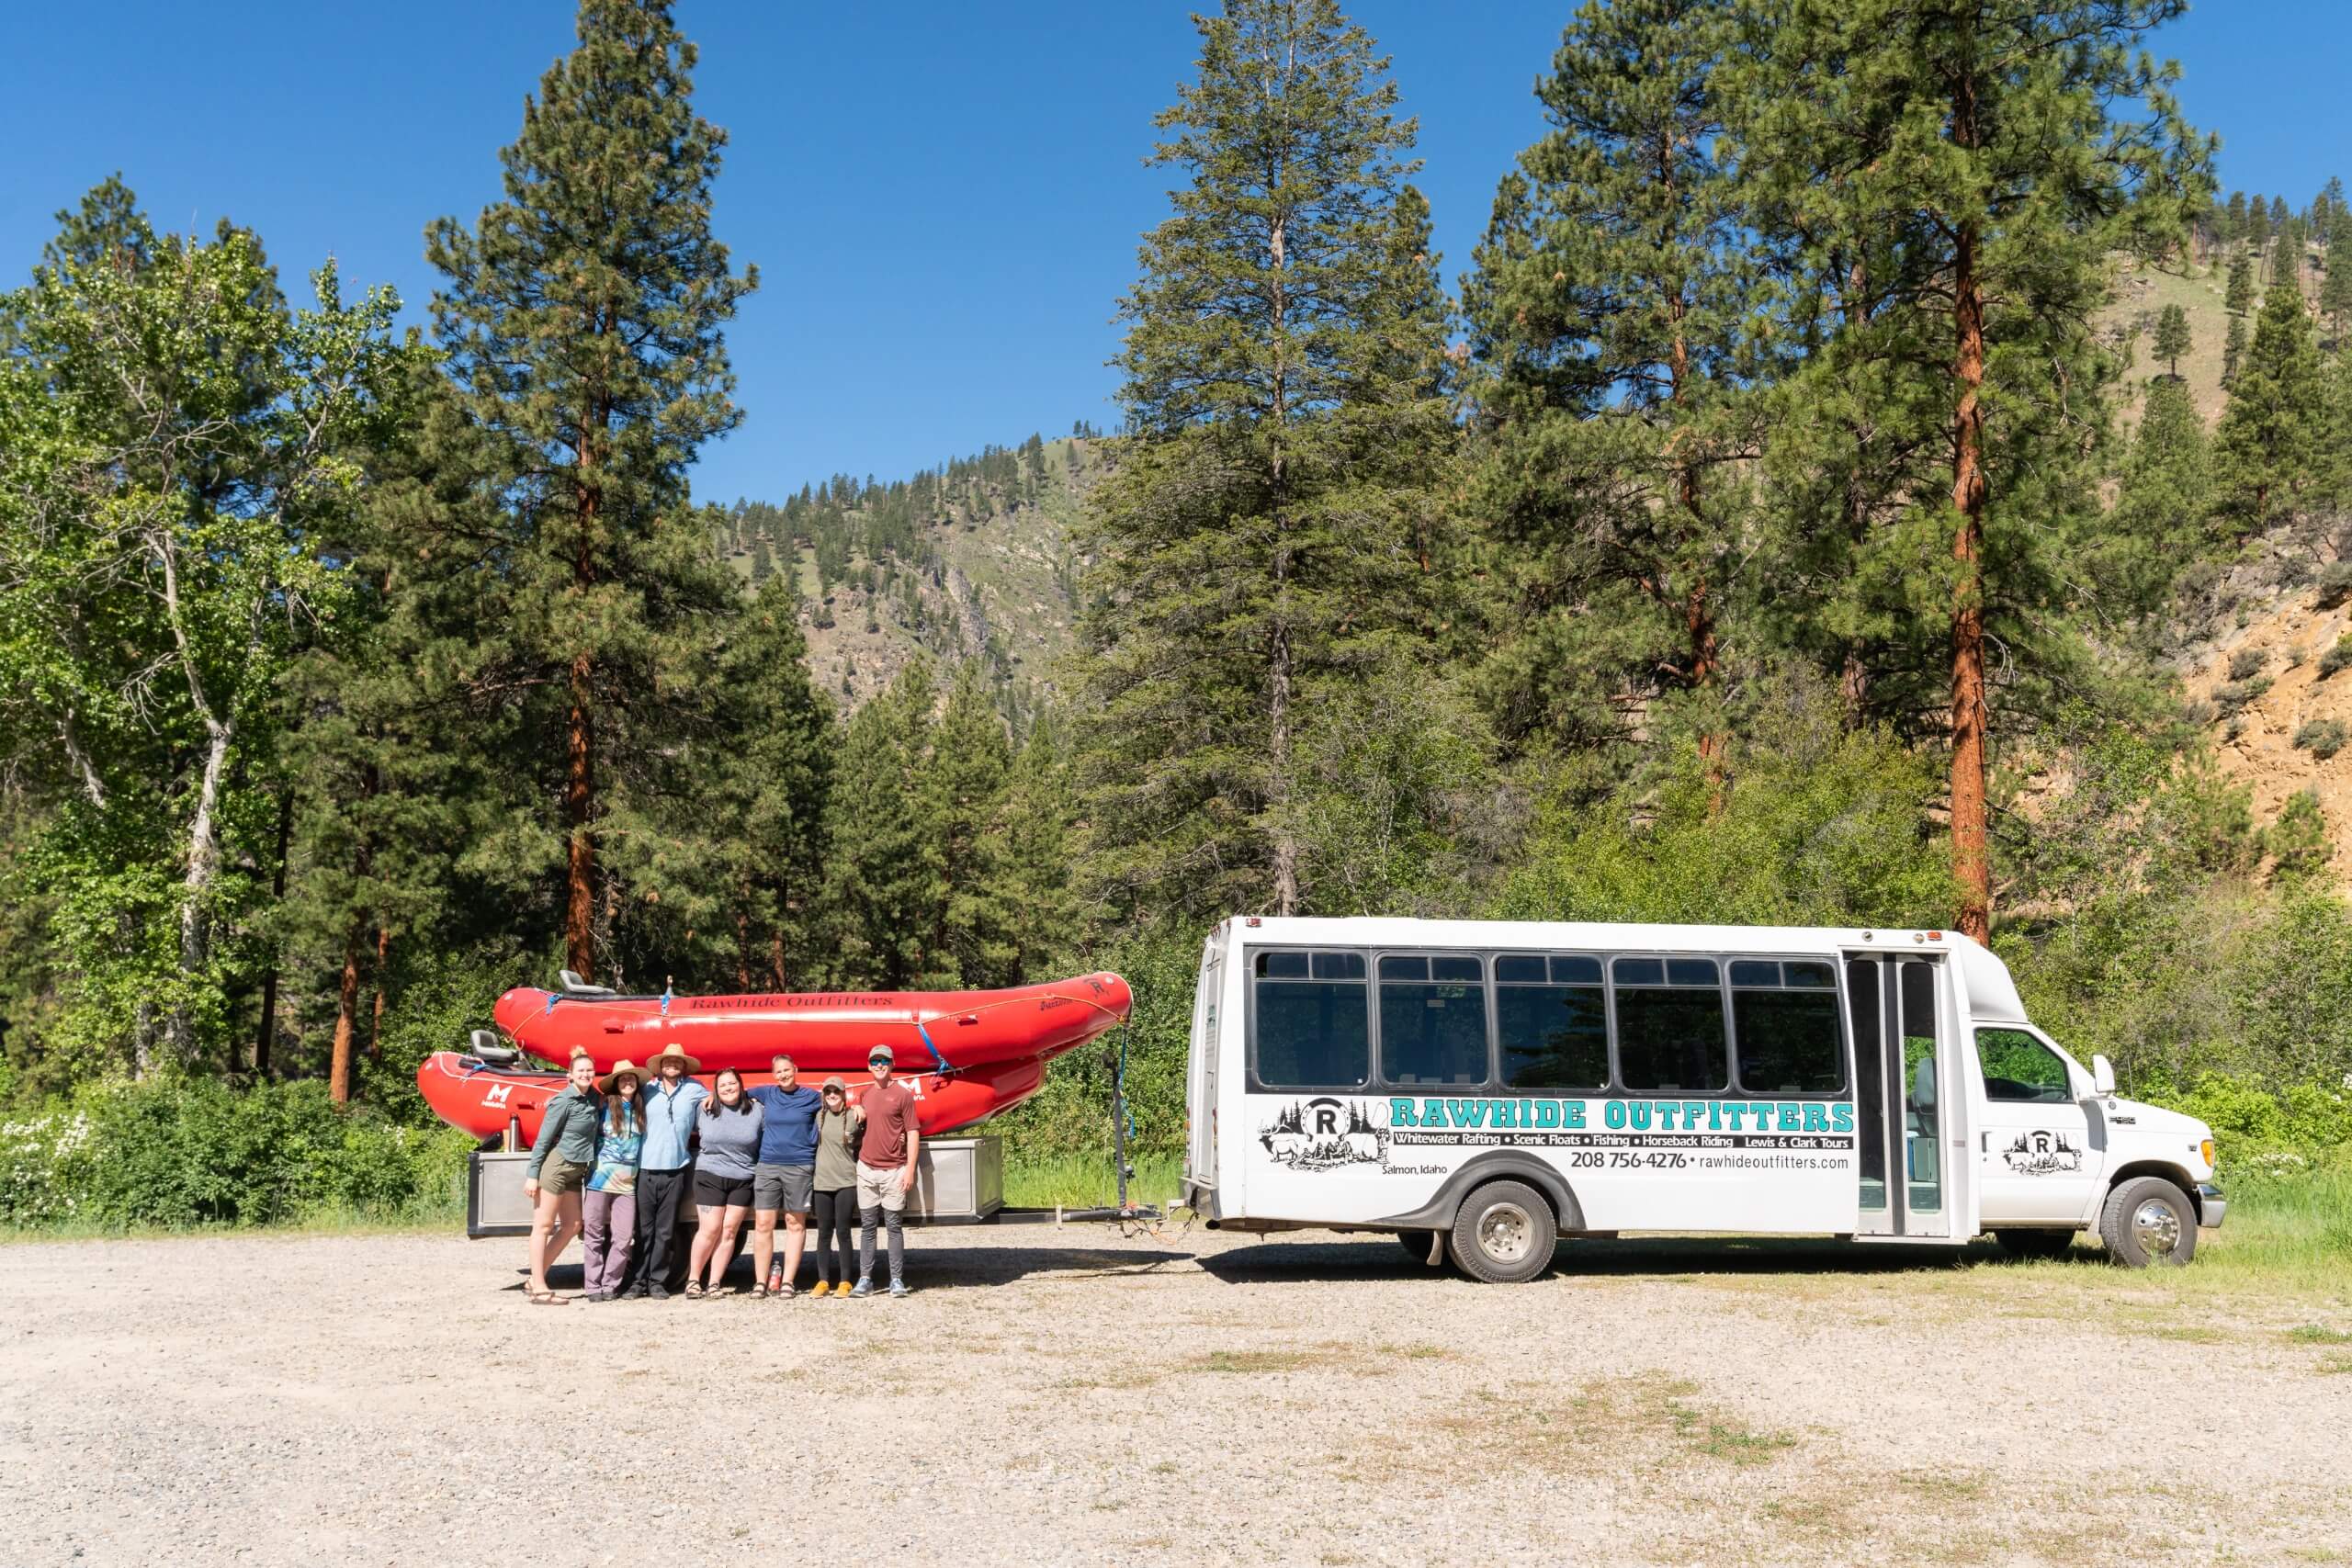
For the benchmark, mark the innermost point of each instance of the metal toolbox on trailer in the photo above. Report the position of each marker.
(958, 1181)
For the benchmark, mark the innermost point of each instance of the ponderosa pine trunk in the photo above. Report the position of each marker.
(1971, 860)
(580, 745)
(265, 1033)
(346, 1012)
(1278, 651)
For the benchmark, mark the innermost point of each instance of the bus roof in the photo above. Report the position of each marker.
(1992, 995)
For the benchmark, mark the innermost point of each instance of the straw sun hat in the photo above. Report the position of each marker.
(653, 1063)
(605, 1084)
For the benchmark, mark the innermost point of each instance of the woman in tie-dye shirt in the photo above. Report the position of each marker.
(609, 1207)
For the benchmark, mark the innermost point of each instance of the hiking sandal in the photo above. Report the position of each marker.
(695, 1292)
(758, 1292)
(547, 1299)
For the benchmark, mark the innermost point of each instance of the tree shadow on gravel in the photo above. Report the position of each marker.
(1273, 1262)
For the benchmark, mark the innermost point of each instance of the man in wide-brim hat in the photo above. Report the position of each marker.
(657, 1266)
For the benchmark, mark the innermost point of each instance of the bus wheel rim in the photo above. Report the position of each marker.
(2157, 1227)
(1505, 1232)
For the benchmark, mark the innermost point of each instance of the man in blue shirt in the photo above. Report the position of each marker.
(657, 1265)
(785, 1177)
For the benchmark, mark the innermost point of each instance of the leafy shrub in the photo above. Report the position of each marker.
(174, 1151)
(2334, 583)
(2322, 737)
(2229, 699)
(2298, 841)
(2247, 662)
(2336, 658)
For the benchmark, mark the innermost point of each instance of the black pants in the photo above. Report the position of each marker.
(832, 1215)
(659, 1257)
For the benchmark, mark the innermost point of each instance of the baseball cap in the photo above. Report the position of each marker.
(882, 1053)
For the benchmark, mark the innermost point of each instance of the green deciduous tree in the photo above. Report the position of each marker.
(1261, 540)
(175, 449)
(583, 316)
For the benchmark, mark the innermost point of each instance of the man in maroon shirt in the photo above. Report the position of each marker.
(888, 1143)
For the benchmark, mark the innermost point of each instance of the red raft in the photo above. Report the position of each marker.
(966, 1054)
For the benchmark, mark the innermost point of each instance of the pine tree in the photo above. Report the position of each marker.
(2235, 216)
(2238, 298)
(1612, 311)
(972, 761)
(2233, 350)
(1255, 540)
(2257, 226)
(2335, 287)
(2286, 255)
(886, 876)
(2172, 338)
(2267, 445)
(1039, 815)
(583, 318)
(2162, 506)
(1978, 145)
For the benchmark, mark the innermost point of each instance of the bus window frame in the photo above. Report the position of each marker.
(1376, 1085)
(1254, 1084)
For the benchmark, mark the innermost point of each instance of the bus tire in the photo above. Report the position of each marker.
(2043, 1243)
(2149, 1223)
(1504, 1234)
(1424, 1247)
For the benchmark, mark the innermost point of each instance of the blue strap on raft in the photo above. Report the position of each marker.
(936, 1057)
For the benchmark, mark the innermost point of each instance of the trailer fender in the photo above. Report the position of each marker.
(1438, 1212)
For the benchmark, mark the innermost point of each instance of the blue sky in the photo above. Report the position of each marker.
(942, 198)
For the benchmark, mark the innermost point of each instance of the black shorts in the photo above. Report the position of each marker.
(722, 1191)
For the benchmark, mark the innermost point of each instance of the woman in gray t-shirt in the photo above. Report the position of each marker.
(726, 1135)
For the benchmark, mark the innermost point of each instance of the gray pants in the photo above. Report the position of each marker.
(865, 1245)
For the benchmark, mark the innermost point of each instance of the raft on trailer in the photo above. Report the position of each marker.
(966, 1055)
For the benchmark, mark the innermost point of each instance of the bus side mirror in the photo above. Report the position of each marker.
(2102, 1076)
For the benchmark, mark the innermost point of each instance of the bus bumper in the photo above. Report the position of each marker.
(2210, 1206)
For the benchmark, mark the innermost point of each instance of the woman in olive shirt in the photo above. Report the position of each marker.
(563, 1154)
(836, 1191)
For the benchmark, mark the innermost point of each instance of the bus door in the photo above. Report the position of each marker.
(1903, 1102)
(1200, 1099)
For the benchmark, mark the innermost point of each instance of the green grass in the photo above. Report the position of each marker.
(2314, 1333)
(2282, 1233)
(1085, 1181)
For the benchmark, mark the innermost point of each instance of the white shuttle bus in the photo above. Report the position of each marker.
(1486, 1087)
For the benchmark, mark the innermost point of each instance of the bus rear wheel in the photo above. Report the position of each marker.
(2149, 1223)
(1504, 1234)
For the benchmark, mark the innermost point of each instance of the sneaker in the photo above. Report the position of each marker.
(862, 1288)
(897, 1287)
(635, 1293)
(656, 1292)
(820, 1289)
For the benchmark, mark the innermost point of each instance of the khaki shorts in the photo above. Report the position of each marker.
(560, 1175)
(878, 1186)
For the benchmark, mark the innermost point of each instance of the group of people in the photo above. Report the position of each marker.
(615, 1153)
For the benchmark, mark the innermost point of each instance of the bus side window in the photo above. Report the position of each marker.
(1784, 1027)
(1432, 1019)
(1552, 1019)
(1669, 1026)
(2018, 1068)
(1310, 1025)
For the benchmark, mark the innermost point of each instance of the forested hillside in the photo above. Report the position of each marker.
(971, 560)
(1864, 474)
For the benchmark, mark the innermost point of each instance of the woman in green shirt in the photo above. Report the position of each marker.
(561, 1157)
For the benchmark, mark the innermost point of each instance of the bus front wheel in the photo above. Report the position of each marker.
(1504, 1232)
(2149, 1223)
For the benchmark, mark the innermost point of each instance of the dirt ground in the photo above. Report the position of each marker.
(1071, 1396)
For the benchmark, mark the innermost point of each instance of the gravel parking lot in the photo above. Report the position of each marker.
(1072, 1396)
